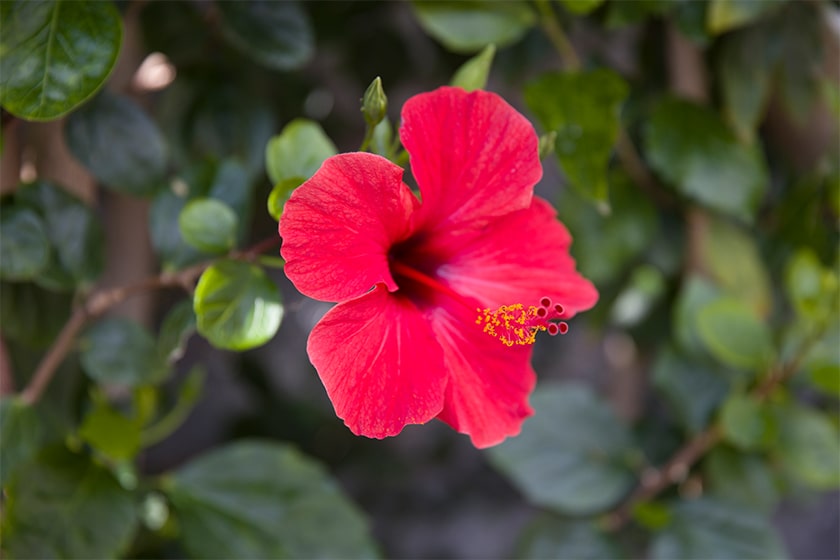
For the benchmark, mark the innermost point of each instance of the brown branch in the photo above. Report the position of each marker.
(100, 302)
(7, 379)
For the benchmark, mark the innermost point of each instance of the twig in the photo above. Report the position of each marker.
(7, 379)
(99, 302)
(557, 36)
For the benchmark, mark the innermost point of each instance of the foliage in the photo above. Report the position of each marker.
(709, 228)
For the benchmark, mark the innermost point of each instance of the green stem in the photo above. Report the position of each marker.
(555, 33)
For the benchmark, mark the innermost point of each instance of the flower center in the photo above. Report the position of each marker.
(514, 324)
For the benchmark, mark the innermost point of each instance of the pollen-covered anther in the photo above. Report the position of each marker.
(517, 325)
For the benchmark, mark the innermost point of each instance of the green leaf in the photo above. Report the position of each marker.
(277, 35)
(118, 350)
(280, 194)
(208, 225)
(550, 536)
(651, 515)
(470, 25)
(806, 283)
(708, 528)
(742, 478)
(24, 247)
(265, 500)
(118, 143)
(605, 245)
(581, 7)
(111, 433)
(583, 108)
(808, 446)
(298, 151)
(725, 15)
(65, 506)
(734, 334)
(31, 315)
(620, 14)
(73, 229)
(747, 423)
(472, 75)
(691, 390)
(176, 329)
(237, 306)
(643, 290)
(695, 293)
(55, 54)
(572, 454)
(188, 394)
(733, 260)
(22, 433)
(691, 147)
(165, 231)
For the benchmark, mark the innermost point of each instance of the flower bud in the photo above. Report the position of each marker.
(374, 103)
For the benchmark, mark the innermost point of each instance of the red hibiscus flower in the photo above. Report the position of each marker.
(439, 300)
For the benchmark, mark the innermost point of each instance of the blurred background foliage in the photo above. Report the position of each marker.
(157, 399)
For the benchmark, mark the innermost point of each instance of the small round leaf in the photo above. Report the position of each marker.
(24, 247)
(208, 225)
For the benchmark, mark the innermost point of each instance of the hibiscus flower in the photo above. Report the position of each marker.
(438, 298)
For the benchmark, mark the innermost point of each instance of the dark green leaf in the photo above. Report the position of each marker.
(725, 15)
(692, 390)
(118, 143)
(741, 478)
(581, 7)
(745, 71)
(572, 455)
(605, 245)
(165, 232)
(237, 306)
(111, 433)
(24, 247)
(696, 293)
(188, 394)
(298, 151)
(746, 423)
(22, 434)
(65, 506)
(32, 315)
(808, 446)
(583, 108)
(72, 228)
(472, 75)
(734, 334)
(275, 34)
(264, 500)
(620, 14)
(117, 350)
(176, 329)
(470, 25)
(550, 536)
(690, 147)
(280, 194)
(208, 225)
(55, 54)
(707, 528)
(795, 36)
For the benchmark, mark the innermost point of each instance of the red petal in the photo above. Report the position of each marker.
(518, 258)
(338, 226)
(379, 362)
(473, 155)
(489, 383)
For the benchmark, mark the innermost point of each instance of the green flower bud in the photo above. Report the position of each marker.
(374, 103)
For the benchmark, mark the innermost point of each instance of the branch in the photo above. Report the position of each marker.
(557, 36)
(100, 302)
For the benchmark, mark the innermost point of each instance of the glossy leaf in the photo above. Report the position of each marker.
(55, 54)
(22, 433)
(208, 225)
(119, 351)
(280, 194)
(24, 247)
(176, 329)
(118, 143)
(572, 454)
(808, 446)
(734, 334)
(690, 147)
(469, 26)
(744, 67)
(583, 108)
(692, 390)
(298, 151)
(165, 232)
(550, 536)
(707, 528)
(237, 306)
(741, 478)
(472, 75)
(725, 15)
(264, 500)
(111, 433)
(63, 505)
(746, 423)
(277, 35)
